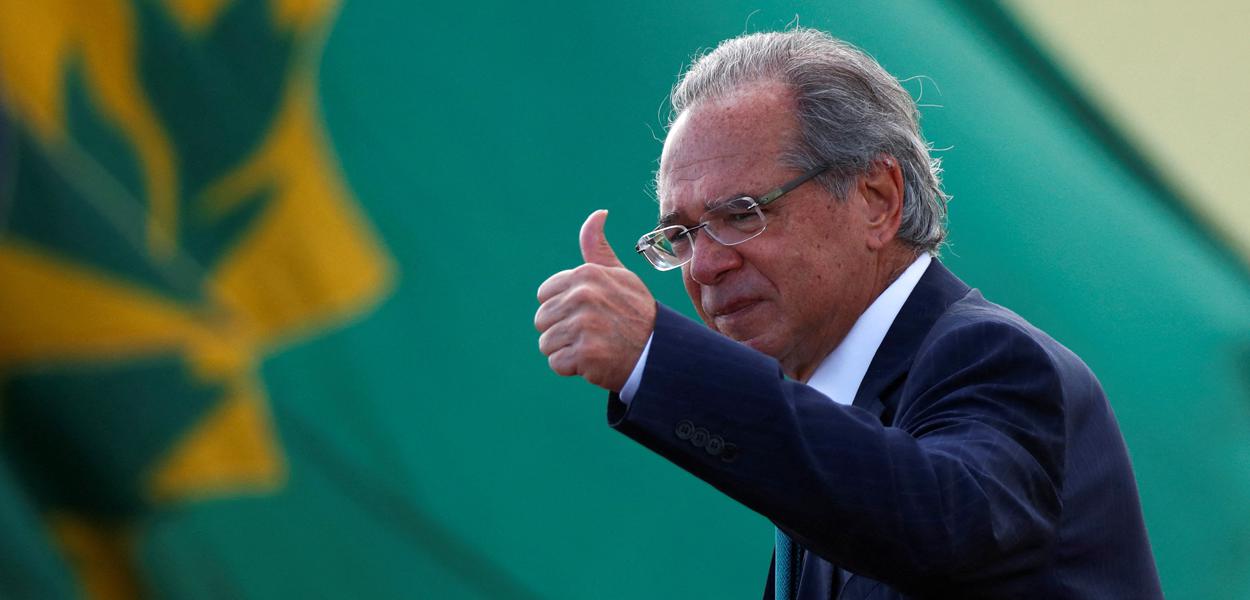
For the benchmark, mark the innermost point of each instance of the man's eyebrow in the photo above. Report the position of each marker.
(671, 217)
(710, 204)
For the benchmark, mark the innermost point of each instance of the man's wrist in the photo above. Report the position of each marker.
(635, 377)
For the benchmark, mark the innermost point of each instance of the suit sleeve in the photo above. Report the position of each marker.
(964, 485)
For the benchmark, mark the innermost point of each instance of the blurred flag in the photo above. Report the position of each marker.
(215, 382)
(173, 214)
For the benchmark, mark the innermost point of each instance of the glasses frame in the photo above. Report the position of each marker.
(756, 204)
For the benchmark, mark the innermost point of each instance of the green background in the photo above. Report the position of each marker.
(432, 453)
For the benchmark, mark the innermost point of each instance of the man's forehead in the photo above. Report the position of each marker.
(729, 133)
(720, 150)
(689, 192)
(724, 129)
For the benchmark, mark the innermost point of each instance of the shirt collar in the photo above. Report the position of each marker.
(840, 374)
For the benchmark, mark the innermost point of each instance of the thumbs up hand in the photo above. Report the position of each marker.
(595, 319)
(595, 247)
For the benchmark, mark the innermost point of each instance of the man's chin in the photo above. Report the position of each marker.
(747, 328)
(760, 342)
(743, 324)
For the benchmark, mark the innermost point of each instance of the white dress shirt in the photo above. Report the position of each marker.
(840, 373)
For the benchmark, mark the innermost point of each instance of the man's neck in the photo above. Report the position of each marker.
(890, 264)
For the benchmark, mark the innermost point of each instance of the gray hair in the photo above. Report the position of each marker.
(850, 112)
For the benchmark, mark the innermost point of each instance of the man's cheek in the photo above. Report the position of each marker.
(695, 293)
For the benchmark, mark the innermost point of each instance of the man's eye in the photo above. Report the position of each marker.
(742, 221)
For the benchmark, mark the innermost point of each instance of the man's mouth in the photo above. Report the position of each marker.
(733, 309)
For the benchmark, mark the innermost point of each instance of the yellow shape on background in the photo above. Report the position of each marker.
(232, 448)
(1173, 76)
(101, 554)
(52, 309)
(310, 221)
(38, 41)
(310, 260)
(34, 39)
(303, 14)
(196, 14)
(298, 14)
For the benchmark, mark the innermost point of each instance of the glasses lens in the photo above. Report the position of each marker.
(735, 221)
(667, 248)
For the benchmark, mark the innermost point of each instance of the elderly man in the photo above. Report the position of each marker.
(907, 437)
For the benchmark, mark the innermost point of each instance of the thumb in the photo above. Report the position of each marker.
(595, 247)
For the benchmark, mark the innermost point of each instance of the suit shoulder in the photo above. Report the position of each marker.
(977, 322)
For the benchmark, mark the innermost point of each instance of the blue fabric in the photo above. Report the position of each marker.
(980, 458)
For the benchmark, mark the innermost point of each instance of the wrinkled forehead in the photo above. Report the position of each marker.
(721, 148)
(695, 175)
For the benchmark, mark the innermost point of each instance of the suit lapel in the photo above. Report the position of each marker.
(937, 289)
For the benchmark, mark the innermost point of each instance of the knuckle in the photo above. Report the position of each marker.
(545, 319)
(544, 344)
(581, 294)
(562, 363)
(544, 290)
(553, 285)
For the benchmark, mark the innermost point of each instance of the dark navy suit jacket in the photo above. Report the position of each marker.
(980, 458)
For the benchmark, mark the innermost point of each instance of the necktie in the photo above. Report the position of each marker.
(785, 573)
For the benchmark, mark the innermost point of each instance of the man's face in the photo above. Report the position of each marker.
(794, 291)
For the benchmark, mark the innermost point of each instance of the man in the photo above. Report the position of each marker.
(908, 438)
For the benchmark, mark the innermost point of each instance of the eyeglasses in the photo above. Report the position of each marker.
(730, 223)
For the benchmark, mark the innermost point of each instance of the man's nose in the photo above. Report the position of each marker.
(712, 259)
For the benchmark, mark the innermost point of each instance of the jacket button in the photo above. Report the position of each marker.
(715, 445)
(729, 453)
(685, 429)
(699, 437)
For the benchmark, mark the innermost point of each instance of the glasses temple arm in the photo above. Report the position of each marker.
(790, 185)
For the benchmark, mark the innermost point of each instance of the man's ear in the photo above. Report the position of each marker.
(882, 190)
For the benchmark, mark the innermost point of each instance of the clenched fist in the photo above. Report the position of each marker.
(595, 319)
